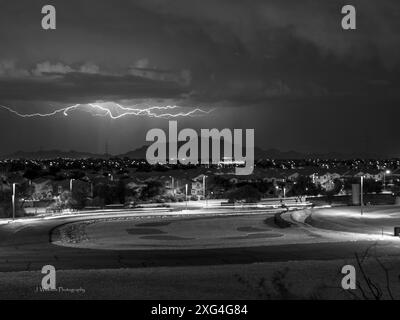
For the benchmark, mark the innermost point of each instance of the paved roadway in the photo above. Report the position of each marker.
(27, 246)
(374, 220)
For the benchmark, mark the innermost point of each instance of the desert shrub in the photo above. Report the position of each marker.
(280, 222)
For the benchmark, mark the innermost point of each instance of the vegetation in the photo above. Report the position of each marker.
(280, 222)
(246, 193)
(101, 182)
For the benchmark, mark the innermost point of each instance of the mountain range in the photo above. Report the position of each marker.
(140, 153)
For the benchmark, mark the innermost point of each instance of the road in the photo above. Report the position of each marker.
(27, 246)
(374, 220)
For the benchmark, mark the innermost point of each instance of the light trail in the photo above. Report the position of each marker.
(116, 111)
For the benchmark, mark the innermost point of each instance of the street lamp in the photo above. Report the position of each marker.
(283, 189)
(172, 185)
(186, 195)
(70, 184)
(384, 178)
(13, 201)
(204, 189)
(362, 194)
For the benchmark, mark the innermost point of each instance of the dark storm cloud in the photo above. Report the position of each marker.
(267, 49)
(264, 57)
(234, 52)
(84, 88)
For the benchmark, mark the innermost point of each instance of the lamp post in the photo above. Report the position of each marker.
(186, 195)
(172, 185)
(362, 194)
(204, 189)
(13, 202)
(70, 184)
(384, 178)
(283, 190)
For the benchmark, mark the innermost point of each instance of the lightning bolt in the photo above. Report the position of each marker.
(116, 111)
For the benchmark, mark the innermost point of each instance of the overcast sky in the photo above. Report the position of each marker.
(285, 68)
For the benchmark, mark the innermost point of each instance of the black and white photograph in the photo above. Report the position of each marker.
(222, 151)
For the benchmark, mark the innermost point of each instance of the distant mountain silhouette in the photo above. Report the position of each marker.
(52, 154)
(277, 154)
(140, 153)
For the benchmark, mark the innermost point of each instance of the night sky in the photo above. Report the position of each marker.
(285, 68)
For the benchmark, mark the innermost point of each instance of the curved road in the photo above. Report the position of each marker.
(27, 246)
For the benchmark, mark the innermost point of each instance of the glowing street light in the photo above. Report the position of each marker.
(13, 201)
(384, 178)
(70, 184)
(281, 189)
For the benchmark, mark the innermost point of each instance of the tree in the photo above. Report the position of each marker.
(121, 191)
(5, 203)
(338, 186)
(264, 186)
(32, 173)
(372, 186)
(247, 193)
(304, 186)
(66, 200)
(105, 192)
(152, 189)
(77, 174)
(222, 182)
(79, 197)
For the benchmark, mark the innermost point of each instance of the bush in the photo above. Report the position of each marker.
(247, 193)
(280, 222)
